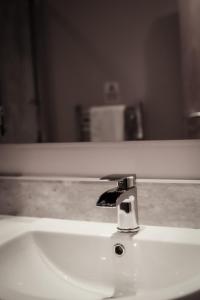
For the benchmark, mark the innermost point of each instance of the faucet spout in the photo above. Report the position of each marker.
(124, 197)
(109, 198)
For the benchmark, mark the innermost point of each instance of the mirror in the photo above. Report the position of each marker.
(75, 71)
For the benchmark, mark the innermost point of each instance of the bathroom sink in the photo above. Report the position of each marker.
(60, 260)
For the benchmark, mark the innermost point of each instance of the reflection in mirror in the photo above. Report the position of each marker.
(115, 70)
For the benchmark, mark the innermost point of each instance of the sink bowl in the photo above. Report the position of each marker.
(61, 260)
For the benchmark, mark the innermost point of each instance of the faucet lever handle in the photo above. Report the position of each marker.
(125, 181)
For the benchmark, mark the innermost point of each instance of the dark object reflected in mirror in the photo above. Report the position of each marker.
(194, 125)
(73, 71)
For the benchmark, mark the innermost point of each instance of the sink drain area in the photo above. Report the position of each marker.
(119, 249)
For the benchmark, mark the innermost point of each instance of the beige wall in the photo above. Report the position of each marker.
(147, 159)
(133, 42)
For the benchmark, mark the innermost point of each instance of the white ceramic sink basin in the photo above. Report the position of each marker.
(71, 260)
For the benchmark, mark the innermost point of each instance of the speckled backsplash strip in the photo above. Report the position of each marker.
(168, 204)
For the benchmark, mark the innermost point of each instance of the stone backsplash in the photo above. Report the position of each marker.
(160, 203)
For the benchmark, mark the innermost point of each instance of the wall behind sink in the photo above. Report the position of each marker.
(161, 202)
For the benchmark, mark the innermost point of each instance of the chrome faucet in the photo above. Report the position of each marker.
(124, 196)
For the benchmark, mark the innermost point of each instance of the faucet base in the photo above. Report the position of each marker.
(129, 230)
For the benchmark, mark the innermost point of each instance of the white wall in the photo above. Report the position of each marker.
(135, 42)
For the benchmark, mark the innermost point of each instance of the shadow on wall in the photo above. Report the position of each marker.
(17, 95)
(84, 45)
(164, 107)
